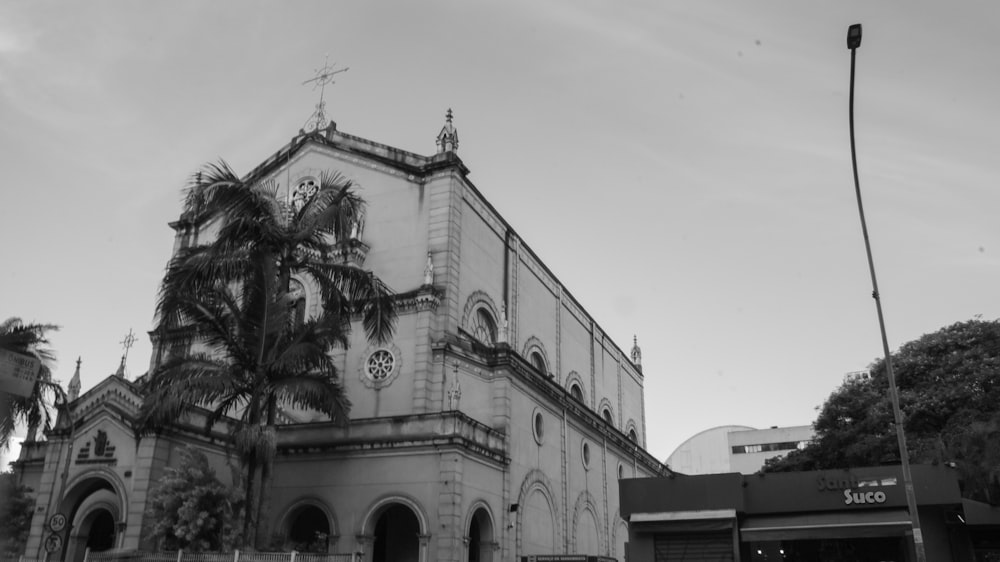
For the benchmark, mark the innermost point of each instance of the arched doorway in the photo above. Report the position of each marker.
(480, 537)
(96, 518)
(99, 530)
(308, 530)
(396, 533)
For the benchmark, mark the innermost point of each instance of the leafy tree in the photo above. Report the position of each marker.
(16, 508)
(33, 410)
(949, 387)
(191, 509)
(241, 348)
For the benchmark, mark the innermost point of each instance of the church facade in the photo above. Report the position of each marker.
(495, 424)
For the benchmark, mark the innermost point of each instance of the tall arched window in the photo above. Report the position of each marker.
(606, 414)
(484, 328)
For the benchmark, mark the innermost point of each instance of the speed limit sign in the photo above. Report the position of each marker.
(53, 543)
(57, 522)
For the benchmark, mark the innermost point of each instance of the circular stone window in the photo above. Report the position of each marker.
(538, 426)
(380, 367)
(585, 453)
(380, 364)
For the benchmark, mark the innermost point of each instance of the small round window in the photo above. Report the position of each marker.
(380, 365)
(538, 426)
(585, 453)
(304, 192)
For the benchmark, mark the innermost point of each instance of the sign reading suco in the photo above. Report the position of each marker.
(847, 484)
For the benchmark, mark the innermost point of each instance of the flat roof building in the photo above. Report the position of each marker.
(857, 514)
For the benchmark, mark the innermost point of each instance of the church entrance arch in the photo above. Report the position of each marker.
(396, 534)
(96, 518)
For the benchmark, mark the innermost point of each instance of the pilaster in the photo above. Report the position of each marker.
(423, 361)
(564, 489)
(444, 243)
(604, 478)
(449, 536)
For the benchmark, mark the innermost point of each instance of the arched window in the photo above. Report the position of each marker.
(576, 392)
(538, 362)
(484, 328)
(606, 414)
(632, 436)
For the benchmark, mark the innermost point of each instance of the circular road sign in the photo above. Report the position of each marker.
(53, 543)
(57, 522)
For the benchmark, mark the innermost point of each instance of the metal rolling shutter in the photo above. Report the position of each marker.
(715, 546)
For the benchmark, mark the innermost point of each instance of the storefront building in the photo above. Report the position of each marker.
(857, 514)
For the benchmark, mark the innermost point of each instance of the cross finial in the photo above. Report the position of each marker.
(127, 343)
(129, 340)
(323, 77)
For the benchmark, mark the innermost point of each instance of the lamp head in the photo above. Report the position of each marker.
(854, 36)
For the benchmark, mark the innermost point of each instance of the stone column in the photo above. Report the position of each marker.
(424, 544)
(366, 544)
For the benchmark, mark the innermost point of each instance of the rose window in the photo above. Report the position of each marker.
(304, 192)
(380, 364)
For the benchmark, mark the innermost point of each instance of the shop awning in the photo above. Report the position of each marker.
(684, 521)
(839, 525)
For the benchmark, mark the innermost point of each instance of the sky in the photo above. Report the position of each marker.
(683, 168)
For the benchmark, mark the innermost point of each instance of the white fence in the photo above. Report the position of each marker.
(181, 556)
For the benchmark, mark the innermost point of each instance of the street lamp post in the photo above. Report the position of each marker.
(853, 42)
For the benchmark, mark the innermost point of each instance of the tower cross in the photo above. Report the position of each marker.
(323, 77)
(127, 343)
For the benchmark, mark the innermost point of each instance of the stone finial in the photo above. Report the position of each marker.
(74, 383)
(447, 139)
(429, 271)
(455, 392)
(636, 353)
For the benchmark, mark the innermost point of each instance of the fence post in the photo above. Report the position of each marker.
(293, 556)
(180, 552)
(86, 554)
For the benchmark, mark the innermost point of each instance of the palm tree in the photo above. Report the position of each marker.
(226, 303)
(33, 410)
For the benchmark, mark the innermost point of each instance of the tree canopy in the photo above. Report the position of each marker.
(234, 335)
(33, 410)
(191, 509)
(16, 508)
(949, 389)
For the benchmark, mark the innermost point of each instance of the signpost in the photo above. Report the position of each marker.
(18, 373)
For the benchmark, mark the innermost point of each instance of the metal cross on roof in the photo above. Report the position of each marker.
(323, 77)
(127, 343)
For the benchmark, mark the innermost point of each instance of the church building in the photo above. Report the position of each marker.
(496, 424)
